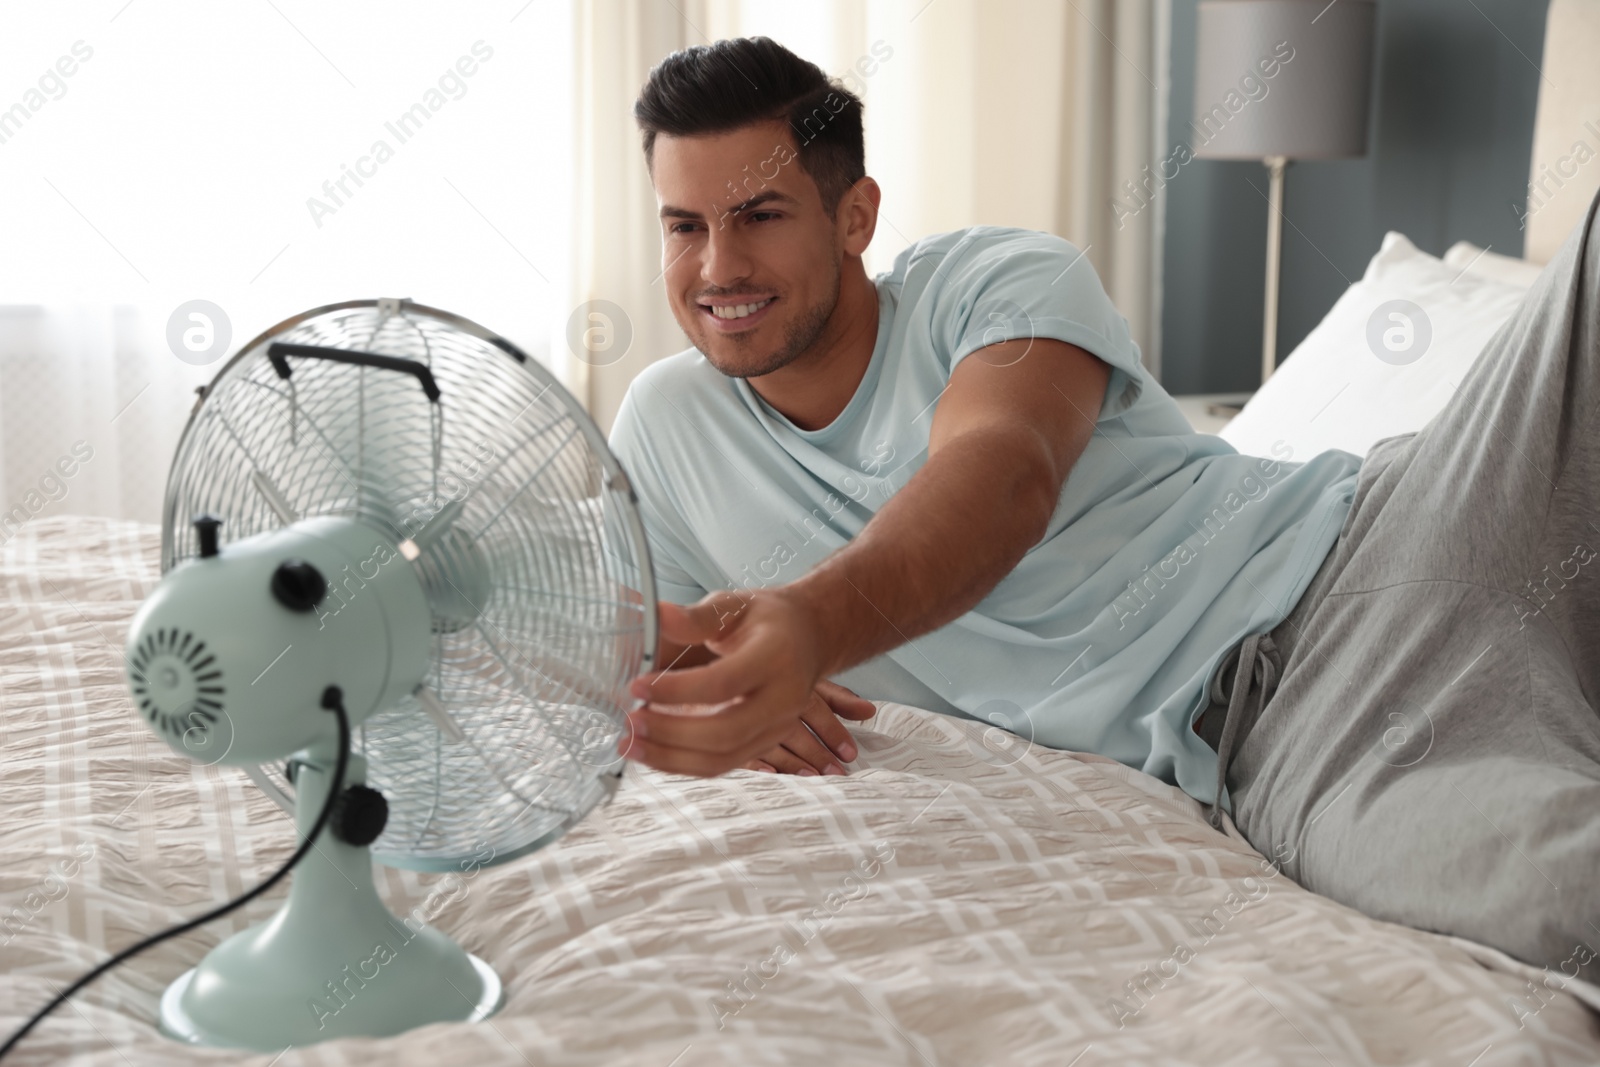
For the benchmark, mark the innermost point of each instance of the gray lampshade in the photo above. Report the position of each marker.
(1282, 78)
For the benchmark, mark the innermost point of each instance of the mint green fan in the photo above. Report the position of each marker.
(388, 502)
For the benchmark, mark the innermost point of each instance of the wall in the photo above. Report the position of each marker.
(1450, 137)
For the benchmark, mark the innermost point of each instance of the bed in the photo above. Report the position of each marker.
(954, 900)
(959, 898)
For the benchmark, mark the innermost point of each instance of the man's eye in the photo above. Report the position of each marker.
(681, 227)
(757, 215)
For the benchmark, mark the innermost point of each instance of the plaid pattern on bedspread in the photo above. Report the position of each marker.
(951, 901)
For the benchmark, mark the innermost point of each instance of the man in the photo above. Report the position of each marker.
(955, 486)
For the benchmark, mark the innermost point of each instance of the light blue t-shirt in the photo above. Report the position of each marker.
(1166, 548)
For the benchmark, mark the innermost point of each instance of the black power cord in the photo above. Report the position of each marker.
(332, 700)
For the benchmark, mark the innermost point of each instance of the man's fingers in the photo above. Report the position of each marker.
(786, 762)
(704, 753)
(829, 730)
(819, 756)
(681, 626)
(745, 728)
(674, 760)
(710, 617)
(711, 743)
(715, 683)
(846, 704)
(704, 744)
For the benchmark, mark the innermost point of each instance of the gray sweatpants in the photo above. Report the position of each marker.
(1431, 754)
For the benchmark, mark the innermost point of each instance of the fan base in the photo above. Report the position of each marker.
(333, 961)
(176, 1023)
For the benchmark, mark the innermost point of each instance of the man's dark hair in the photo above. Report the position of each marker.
(720, 87)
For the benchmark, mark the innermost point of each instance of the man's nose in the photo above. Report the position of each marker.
(726, 262)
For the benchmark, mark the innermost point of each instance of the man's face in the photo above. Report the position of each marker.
(751, 258)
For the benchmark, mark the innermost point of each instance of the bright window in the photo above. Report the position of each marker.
(267, 157)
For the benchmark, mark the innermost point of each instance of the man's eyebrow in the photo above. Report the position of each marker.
(768, 197)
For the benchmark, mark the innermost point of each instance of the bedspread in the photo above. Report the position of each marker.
(954, 900)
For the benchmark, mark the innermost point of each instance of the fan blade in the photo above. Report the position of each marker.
(441, 718)
(273, 496)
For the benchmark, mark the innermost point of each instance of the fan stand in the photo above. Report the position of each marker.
(333, 962)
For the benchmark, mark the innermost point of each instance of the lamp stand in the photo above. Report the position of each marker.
(1269, 316)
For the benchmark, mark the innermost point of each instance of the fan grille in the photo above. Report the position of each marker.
(531, 548)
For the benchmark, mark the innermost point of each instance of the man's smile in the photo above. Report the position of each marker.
(735, 314)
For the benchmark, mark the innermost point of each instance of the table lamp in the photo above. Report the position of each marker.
(1277, 80)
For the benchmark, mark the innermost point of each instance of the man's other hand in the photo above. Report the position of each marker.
(771, 656)
(821, 744)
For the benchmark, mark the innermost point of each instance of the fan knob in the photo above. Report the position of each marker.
(298, 585)
(360, 815)
(205, 529)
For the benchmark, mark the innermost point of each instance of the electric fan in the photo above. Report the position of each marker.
(386, 511)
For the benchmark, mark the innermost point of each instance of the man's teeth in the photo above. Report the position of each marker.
(739, 311)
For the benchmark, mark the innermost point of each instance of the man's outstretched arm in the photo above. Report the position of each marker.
(1011, 423)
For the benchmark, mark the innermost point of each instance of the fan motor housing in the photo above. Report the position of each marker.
(226, 669)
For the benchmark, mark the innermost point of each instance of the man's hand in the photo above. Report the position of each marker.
(821, 744)
(771, 656)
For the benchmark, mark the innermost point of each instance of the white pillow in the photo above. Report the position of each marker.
(1385, 359)
(1464, 255)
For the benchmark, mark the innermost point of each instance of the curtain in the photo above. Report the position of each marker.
(1044, 114)
(1114, 131)
(90, 414)
(621, 322)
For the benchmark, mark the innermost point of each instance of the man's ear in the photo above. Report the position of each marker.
(858, 216)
